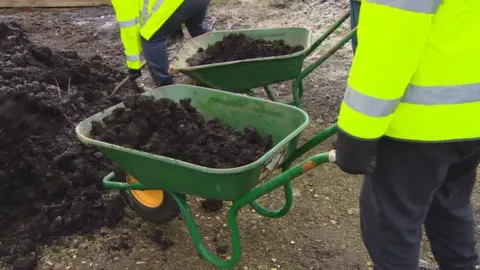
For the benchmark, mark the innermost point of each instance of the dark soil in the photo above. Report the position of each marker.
(210, 205)
(20, 118)
(161, 239)
(237, 46)
(49, 182)
(179, 131)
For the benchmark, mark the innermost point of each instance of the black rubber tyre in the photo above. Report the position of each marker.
(162, 214)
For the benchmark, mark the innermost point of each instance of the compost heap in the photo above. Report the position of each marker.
(237, 46)
(178, 130)
(49, 183)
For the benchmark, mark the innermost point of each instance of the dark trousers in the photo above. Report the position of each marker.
(417, 184)
(354, 15)
(191, 13)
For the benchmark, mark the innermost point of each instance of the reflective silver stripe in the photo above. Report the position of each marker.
(433, 95)
(155, 8)
(368, 105)
(144, 12)
(420, 95)
(133, 57)
(129, 23)
(421, 6)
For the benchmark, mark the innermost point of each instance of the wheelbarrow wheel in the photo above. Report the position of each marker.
(154, 205)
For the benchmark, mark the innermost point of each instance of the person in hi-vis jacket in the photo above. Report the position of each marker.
(410, 122)
(146, 24)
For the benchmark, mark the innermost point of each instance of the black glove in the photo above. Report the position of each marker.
(133, 74)
(355, 156)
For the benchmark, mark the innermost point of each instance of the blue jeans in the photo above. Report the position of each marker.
(191, 13)
(354, 15)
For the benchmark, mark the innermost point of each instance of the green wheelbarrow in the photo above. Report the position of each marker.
(157, 186)
(242, 76)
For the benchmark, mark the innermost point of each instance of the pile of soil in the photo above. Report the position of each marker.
(49, 182)
(237, 46)
(179, 131)
(20, 118)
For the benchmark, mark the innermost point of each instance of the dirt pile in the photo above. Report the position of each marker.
(178, 130)
(20, 118)
(237, 46)
(49, 182)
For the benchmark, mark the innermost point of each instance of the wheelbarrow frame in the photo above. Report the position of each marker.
(288, 142)
(284, 179)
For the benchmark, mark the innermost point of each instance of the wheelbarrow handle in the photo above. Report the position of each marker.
(109, 183)
(329, 31)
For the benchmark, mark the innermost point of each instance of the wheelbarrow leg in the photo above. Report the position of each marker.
(310, 144)
(269, 93)
(197, 239)
(232, 217)
(297, 85)
(250, 92)
(278, 213)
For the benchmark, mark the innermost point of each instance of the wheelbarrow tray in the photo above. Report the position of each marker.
(285, 123)
(240, 76)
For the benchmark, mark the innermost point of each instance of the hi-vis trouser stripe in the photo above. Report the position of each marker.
(136, 57)
(129, 23)
(144, 12)
(420, 6)
(419, 95)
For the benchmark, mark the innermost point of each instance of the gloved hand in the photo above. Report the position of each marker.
(355, 156)
(133, 74)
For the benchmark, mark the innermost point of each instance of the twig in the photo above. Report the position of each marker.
(120, 85)
(212, 24)
(58, 88)
(69, 80)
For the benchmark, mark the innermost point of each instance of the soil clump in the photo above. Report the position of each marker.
(237, 46)
(179, 131)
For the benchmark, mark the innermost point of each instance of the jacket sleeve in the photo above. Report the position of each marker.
(128, 20)
(391, 38)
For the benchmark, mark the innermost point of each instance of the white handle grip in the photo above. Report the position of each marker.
(332, 156)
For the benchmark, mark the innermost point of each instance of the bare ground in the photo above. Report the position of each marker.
(322, 230)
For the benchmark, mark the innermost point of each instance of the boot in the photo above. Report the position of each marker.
(423, 265)
(176, 37)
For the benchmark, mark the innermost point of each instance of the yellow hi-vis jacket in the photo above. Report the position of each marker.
(141, 18)
(415, 75)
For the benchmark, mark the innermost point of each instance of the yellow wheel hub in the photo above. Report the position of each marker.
(149, 198)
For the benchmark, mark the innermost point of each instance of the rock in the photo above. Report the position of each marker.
(109, 29)
(57, 222)
(319, 121)
(58, 266)
(163, 242)
(222, 250)
(353, 211)
(70, 54)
